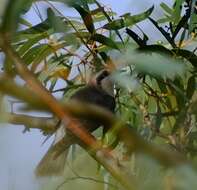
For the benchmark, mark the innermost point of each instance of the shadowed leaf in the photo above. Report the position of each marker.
(87, 18)
(104, 40)
(191, 87)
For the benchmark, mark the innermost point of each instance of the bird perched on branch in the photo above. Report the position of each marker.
(99, 91)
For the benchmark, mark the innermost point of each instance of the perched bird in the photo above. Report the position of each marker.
(99, 91)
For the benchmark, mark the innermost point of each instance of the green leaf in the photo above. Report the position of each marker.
(38, 53)
(128, 20)
(51, 66)
(98, 17)
(131, 20)
(177, 89)
(141, 42)
(177, 11)
(87, 18)
(193, 18)
(82, 3)
(166, 8)
(164, 20)
(30, 43)
(12, 14)
(72, 39)
(191, 87)
(35, 53)
(36, 29)
(162, 86)
(115, 25)
(104, 40)
(56, 22)
(182, 24)
(24, 22)
(51, 24)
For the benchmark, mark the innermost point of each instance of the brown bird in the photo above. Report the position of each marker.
(99, 91)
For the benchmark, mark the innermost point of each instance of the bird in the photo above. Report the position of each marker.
(98, 91)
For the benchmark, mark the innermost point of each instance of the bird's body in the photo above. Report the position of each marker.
(93, 93)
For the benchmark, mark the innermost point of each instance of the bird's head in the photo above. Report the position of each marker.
(103, 81)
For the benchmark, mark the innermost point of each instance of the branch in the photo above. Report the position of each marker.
(46, 124)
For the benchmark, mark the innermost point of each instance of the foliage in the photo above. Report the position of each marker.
(155, 83)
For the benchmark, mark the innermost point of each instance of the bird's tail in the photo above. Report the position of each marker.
(51, 164)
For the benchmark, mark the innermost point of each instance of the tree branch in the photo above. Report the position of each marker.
(46, 124)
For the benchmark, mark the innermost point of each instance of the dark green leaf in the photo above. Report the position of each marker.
(131, 20)
(136, 38)
(193, 18)
(104, 40)
(156, 49)
(182, 24)
(191, 87)
(115, 25)
(82, 3)
(87, 18)
(165, 34)
(36, 29)
(162, 86)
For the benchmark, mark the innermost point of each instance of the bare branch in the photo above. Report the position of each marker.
(46, 124)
